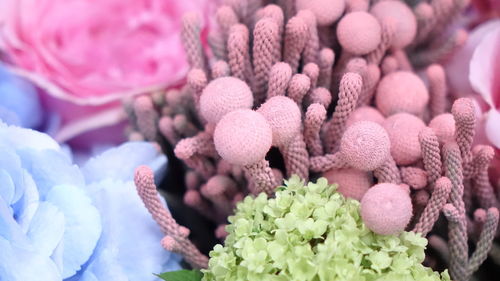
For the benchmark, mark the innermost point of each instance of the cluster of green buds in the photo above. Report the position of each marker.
(311, 232)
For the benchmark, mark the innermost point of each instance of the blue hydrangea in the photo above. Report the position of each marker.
(19, 101)
(60, 222)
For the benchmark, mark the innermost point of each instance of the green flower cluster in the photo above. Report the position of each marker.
(312, 233)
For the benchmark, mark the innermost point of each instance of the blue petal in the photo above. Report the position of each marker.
(25, 208)
(21, 138)
(82, 227)
(49, 168)
(46, 229)
(19, 263)
(104, 265)
(129, 231)
(9, 117)
(11, 164)
(20, 98)
(119, 163)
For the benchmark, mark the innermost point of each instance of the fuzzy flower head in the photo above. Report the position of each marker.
(59, 222)
(312, 233)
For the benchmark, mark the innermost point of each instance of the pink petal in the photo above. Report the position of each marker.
(492, 127)
(457, 69)
(484, 65)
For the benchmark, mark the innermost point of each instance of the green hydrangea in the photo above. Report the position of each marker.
(312, 233)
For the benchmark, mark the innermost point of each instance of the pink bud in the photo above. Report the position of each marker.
(401, 91)
(359, 33)
(243, 137)
(386, 209)
(365, 146)
(222, 96)
(284, 117)
(403, 130)
(352, 183)
(405, 22)
(326, 11)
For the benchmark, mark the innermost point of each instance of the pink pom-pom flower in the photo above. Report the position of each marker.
(386, 208)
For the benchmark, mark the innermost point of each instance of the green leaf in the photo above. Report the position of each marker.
(181, 275)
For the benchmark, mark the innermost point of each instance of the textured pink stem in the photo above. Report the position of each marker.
(201, 144)
(187, 250)
(315, 116)
(296, 158)
(166, 126)
(220, 69)
(296, 36)
(312, 71)
(431, 154)
(437, 89)
(388, 32)
(388, 172)
(319, 95)
(369, 85)
(184, 126)
(465, 120)
(298, 88)
(414, 177)
(455, 212)
(226, 17)
(311, 50)
(431, 212)
(146, 117)
(482, 186)
(349, 91)
(279, 79)
(190, 33)
(326, 60)
(457, 243)
(485, 241)
(262, 177)
(146, 188)
(238, 46)
(275, 13)
(326, 162)
(266, 40)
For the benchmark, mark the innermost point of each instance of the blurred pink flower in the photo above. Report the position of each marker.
(475, 71)
(88, 55)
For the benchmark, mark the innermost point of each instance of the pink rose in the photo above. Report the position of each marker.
(88, 55)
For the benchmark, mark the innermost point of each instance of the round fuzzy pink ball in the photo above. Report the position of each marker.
(401, 91)
(243, 137)
(326, 11)
(359, 33)
(404, 20)
(443, 126)
(365, 113)
(365, 146)
(284, 117)
(352, 183)
(386, 209)
(222, 96)
(403, 130)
